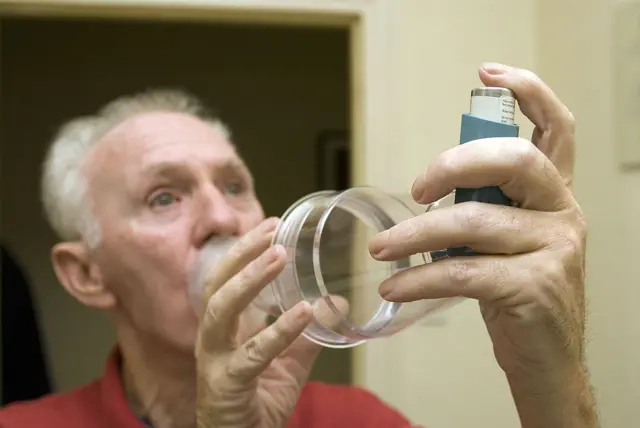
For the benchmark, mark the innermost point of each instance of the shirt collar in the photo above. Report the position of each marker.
(113, 396)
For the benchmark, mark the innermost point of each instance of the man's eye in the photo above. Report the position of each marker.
(234, 188)
(163, 199)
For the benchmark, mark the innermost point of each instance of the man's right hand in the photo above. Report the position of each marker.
(246, 379)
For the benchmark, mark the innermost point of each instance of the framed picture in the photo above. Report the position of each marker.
(334, 160)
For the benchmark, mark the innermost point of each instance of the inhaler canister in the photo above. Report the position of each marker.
(492, 115)
(494, 104)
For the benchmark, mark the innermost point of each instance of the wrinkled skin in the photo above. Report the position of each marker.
(530, 280)
(244, 379)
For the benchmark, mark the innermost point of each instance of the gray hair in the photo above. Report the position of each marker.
(64, 187)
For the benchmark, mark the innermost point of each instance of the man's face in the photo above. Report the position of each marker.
(162, 184)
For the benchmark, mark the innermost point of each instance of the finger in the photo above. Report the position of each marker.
(542, 106)
(224, 307)
(537, 101)
(250, 246)
(485, 228)
(515, 165)
(331, 310)
(485, 278)
(301, 355)
(250, 360)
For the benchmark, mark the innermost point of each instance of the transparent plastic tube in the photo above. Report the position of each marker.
(326, 236)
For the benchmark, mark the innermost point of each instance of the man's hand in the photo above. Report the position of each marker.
(246, 379)
(530, 279)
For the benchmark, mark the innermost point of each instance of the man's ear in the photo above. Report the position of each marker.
(80, 276)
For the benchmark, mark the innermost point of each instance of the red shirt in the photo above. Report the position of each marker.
(102, 404)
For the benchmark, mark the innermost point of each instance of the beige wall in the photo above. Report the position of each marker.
(443, 376)
(447, 376)
(278, 89)
(575, 51)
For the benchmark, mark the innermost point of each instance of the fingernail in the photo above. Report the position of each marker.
(376, 246)
(418, 191)
(303, 311)
(270, 256)
(270, 223)
(280, 251)
(494, 68)
(386, 290)
(419, 187)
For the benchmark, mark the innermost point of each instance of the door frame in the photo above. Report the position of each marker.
(366, 20)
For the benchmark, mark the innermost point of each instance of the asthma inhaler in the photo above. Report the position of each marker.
(492, 115)
(325, 234)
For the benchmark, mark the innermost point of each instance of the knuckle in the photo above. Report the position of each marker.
(554, 287)
(234, 370)
(525, 154)
(252, 351)
(570, 121)
(243, 361)
(554, 279)
(459, 274)
(530, 81)
(547, 274)
(213, 310)
(574, 240)
(278, 331)
(470, 217)
(250, 271)
(447, 161)
(582, 225)
(554, 272)
(571, 234)
(501, 279)
(255, 270)
(402, 233)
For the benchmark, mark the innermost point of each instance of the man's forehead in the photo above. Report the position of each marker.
(161, 140)
(156, 124)
(169, 167)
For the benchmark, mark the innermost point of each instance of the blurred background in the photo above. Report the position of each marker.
(328, 95)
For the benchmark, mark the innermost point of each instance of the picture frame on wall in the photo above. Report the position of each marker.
(334, 160)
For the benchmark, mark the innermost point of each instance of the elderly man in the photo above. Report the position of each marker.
(137, 190)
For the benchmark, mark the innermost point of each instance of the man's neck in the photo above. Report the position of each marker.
(160, 382)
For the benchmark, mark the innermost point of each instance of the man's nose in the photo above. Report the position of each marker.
(216, 216)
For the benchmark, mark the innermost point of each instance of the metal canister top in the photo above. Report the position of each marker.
(496, 104)
(492, 92)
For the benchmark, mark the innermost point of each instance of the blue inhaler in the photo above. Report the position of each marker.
(325, 235)
(492, 115)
